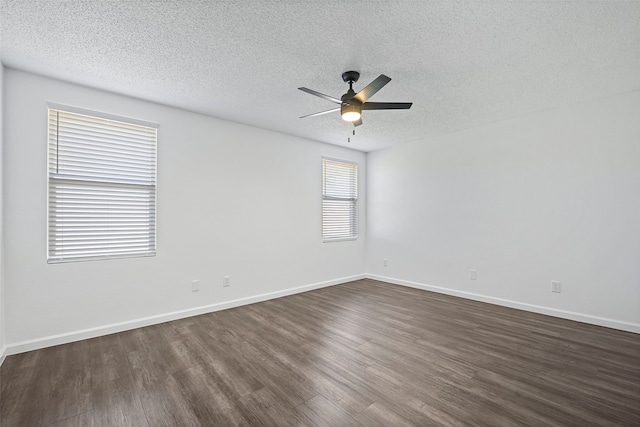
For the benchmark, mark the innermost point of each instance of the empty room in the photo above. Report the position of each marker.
(319, 213)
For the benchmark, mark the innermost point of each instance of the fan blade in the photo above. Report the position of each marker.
(372, 88)
(357, 122)
(321, 113)
(387, 105)
(321, 95)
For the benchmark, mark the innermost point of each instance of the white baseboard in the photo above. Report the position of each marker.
(21, 347)
(579, 317)
(3, 353)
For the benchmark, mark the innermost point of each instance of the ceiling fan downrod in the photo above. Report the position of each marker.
(350, 77)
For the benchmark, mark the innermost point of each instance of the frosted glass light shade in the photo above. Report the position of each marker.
(350, 116)
(350, 112)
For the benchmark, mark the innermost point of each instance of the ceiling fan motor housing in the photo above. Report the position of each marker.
(348, 97)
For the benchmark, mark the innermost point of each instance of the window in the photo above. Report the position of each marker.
(102, 187)
(339, 200)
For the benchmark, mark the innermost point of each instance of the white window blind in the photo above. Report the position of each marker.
(339, 200)
(102, 188)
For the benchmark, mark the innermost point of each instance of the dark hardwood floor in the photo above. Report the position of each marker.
(364, 353)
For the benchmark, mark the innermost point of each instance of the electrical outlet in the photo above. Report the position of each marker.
(473, 274)
(385, 262)
(226, 281)
(195, 285)
(556, 287)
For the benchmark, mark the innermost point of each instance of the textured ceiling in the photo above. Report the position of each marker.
(462, 63)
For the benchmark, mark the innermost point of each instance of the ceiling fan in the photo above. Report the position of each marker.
(352, 103)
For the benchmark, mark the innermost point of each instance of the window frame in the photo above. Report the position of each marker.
(104, 183)
(355, 200)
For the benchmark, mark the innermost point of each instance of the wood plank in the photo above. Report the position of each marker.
(319, 412)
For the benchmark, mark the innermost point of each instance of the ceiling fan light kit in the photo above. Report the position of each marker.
(350, 112)
(352, 103)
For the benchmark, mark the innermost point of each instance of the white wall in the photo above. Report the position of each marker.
(551, 196)
(232, 200)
